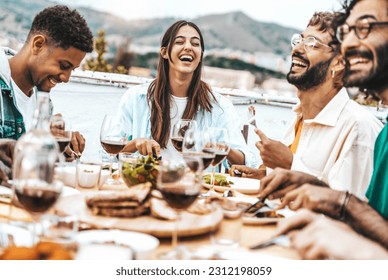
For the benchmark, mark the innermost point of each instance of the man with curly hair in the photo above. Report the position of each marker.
(57, 42)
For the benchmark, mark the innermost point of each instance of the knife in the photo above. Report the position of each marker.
(281, 240)
(256, 206)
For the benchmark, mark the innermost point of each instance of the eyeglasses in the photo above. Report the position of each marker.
(362, 28)
(310, 43)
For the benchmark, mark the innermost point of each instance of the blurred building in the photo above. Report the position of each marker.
(228, 78)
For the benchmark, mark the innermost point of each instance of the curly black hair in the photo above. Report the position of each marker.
(324, 22)
(64, 28)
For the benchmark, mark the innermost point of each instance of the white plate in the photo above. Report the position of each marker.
(261, 221)
(20, 236)
(142, 244)
(243, 185)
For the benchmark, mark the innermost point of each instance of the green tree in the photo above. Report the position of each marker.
(99, 63)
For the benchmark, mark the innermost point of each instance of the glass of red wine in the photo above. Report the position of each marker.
(113, 139)
(193, 146)
(218, 145)
(180, 187)
(34, 183)
(178, 132)
(60, 128)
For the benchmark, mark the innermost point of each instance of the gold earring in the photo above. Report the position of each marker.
(332, 73)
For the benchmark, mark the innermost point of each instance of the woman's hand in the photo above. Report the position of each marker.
(147, 147)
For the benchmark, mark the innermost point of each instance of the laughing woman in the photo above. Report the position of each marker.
(150, 111)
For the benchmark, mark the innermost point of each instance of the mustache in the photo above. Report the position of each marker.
(298, 55)
(361, 53)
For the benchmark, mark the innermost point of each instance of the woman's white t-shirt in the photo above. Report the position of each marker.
(178, 106)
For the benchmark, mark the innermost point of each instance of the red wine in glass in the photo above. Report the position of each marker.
(62, 143)
(179, 198)
(207, 159)
(180, 188)
(179, 130)
(177, 143)
(112, 147)
(37, 200)
(60, 128)
(219, 156)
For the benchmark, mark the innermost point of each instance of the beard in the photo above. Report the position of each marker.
(313, 77)
(375, 79)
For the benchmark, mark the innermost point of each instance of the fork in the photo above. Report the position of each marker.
(281, 240)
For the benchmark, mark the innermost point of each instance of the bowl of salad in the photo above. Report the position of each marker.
(137, 169)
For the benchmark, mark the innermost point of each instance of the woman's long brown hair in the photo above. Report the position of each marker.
(159, 96)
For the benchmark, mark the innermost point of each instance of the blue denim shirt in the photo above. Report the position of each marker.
(134, 113)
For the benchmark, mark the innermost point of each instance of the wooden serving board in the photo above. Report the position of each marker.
(189, 225)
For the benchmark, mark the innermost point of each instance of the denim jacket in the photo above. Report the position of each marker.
(134, 113)
(11, 120)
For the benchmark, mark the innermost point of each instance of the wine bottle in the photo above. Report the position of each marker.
(38, 138)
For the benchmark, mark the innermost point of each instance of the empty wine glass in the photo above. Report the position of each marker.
(34, 183)
(113, 139)
(180, 188)
(179, 130)
(219, 146)
(60, 128)
(193, 145)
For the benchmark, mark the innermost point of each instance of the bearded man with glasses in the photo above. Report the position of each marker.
(364, 45)
(331, 137)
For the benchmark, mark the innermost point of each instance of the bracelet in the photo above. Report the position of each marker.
(344, 205)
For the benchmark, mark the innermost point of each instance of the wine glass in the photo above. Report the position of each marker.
(178, 132)
(180, 188)
(60, 128)
(217, 145)
(34, 183)
(113, 139)
(193, 145)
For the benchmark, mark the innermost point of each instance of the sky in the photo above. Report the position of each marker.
(290, 13)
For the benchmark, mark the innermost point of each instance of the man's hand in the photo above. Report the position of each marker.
(247, 172)
(77, 146)
(318, 199)
(273, 153)
(281, 181)
(147, 147)
(7, 147)
(320, 237)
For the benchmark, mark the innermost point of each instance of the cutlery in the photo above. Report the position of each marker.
(255, 207)
(76, 155)
(281, 240)
(252, 121)
(237, 173)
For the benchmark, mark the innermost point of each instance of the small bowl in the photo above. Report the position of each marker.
(67, 174)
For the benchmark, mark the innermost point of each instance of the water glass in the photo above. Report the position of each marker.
(229, 233)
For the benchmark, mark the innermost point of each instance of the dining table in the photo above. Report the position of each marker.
(250, 234)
